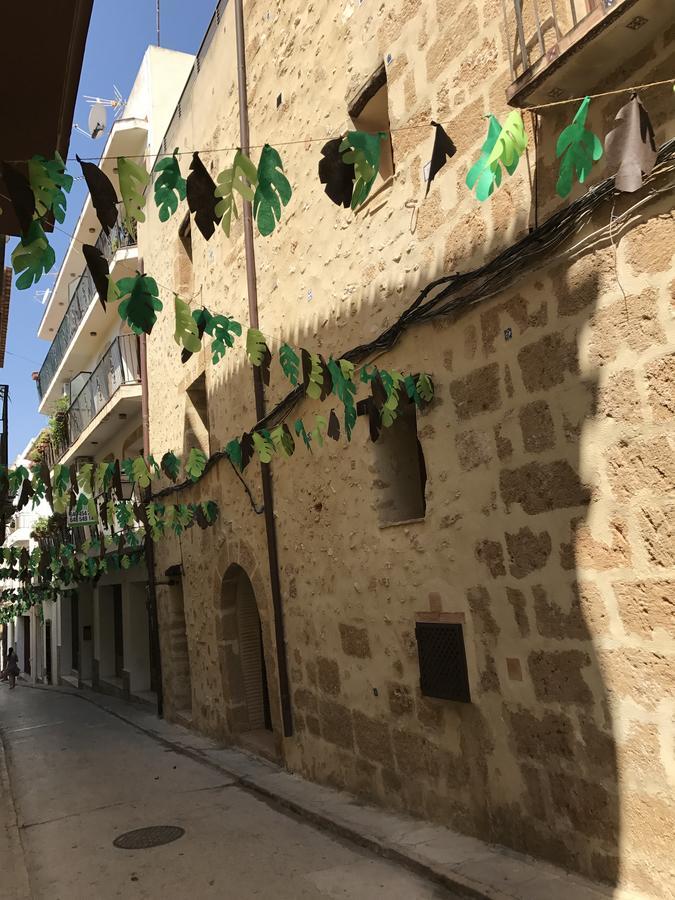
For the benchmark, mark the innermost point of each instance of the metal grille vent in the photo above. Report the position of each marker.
(442, 657)
(144, 838)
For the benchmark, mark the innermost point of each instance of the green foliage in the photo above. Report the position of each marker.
(140, 472)
(392, 382)
(342, 374)
(186, 331)
(239, 177)
(425, 387)
(170, 186)
(170, 465)
(313, 375)
(210, 511)
(140, 302)
(283, 440)
(510, 144)
(579, 149)
(362, 150)
(263, 445)
(124, 513)
(133, 179)
(32, 257)
(483, 176)
(195, 464)
(290, 363)
(222, 329)
(272, 191)
(411, 390)
(320, 424)
(49, 180)
(301, 432)
(233, 453)
(256, 346)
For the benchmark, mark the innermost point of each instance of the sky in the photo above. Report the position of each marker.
(119, 33)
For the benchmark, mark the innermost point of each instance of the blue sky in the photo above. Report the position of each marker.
(119, 33)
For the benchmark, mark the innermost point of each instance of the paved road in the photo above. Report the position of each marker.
(80, 777)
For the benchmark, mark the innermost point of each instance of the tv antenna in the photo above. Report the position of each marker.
(98, 116)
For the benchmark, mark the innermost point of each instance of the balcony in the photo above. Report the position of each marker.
(568, 48)
(81, 300)
(114, 385)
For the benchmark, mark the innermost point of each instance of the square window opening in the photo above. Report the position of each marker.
(197, 417)
(442, 660)
(369, 111)
(401, 471)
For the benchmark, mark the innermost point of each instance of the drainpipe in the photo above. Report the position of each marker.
(259, 392)
(153, 619)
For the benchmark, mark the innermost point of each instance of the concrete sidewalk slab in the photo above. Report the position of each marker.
(466, 865)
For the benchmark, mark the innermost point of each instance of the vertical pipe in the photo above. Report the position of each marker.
(157, 17)
(153, 619)
(259, 393)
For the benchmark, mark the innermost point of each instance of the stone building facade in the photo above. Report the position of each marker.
(545, 526)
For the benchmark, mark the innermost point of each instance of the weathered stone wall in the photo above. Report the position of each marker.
(549, 456)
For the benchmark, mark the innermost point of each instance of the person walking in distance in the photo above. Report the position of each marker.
(11, 668)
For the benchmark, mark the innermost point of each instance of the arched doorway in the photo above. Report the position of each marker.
(247, 691)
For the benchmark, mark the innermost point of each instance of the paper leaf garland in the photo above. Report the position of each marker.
(233, 453)
(170, 186)
(133, 179)
(318, 430)
(222, 329)
(362, 150)
(577, 148)
(425, 388)
(443, 150)
(333, 426)
(313, 375)
(264, 446)
(140, 302)
(510, 144)
(336, 174)
(100, 274)
(630, 147)
(170, 465)
(236, 178)
(103, 196)
(301, 432)
(186, 332)
(486, 178)
(49, 180)
(195, 464)
(290, 363)
(200, 191)
(21, 195)
(33, 256)
(283, 440)
(272, 191)
(256, 346)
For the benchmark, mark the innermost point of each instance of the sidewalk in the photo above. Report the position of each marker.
(465, 865)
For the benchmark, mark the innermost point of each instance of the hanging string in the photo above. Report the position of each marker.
(315, 140)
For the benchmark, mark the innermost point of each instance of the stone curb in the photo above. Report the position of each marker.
(14, 874)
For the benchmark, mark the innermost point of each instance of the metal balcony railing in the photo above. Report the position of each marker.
(535, 27)
(119, 365)
(80, 300)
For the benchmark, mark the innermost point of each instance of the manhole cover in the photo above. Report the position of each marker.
(144, 838)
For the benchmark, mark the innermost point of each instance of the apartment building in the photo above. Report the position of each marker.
(90, 379)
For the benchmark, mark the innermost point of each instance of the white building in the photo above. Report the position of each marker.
(103, 636)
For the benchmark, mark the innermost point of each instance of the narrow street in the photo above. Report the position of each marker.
(81, 777)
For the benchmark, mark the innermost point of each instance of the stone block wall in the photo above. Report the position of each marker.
(548, 452)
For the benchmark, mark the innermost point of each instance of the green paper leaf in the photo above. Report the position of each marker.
(363, 151)
(140, 472)
(290, 363)
(195, 464)
(140, 304)
(263, 445)
(222, 329)
(186, 332)
(32, 257)
(425, 387)
(342, 373)
(124, 513)
(170, 465)
(133, 179)
(256, 346)
(367, 376)
(233, 452)
(579, 149)
(300, 431)
(49, 180)
(483, 176)
(273, 190)
(170, 186)
(210, 510)
(312, 375)
(283, 440)
(125, 562)
(510, 144)
(241, 177)
(411, 390)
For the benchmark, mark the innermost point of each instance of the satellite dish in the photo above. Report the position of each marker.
(97, 120)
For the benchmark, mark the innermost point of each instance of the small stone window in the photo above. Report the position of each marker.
(442, 659)
(401, 474)
(197, 416)
(183, 272)
(369, 111)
